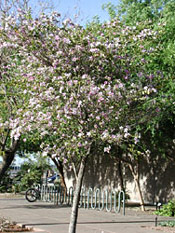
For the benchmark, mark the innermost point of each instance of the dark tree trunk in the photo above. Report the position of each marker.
(74, 213)
(120, 173)
(59, 166)
(7, 160)
(8, 157)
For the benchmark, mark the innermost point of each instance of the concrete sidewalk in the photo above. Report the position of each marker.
(45, 217)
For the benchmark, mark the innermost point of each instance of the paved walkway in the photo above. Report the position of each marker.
(45, 217)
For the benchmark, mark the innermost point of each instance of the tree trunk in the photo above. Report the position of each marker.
(7, 160)
(59, 166)
(8, 156)
(140, 194)
(120, 173)
(137, 182)
(74, 213)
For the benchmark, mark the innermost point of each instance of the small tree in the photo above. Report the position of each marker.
(32, 171)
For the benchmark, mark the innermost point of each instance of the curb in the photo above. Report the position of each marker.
(31, 229)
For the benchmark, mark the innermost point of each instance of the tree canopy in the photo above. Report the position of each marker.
(72, 89)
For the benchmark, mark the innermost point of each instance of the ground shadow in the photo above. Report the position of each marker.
(37, 206)
(96, 222)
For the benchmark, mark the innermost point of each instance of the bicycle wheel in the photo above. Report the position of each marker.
(31, 195)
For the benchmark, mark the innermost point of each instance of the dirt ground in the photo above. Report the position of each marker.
(8, 226)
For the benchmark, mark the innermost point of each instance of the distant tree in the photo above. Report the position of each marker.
(133, 11)
(32, 171)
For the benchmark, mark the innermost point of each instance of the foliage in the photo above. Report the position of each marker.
(108, 85)
(121, 64)
(79, 78)
(161, 14)
(104, 56)
(47, 53)
(11, 96)
(6, 183)
(134, 11)
(111, 9)
(167, 209)
(170, 223)
(31, 172)
(159, 128)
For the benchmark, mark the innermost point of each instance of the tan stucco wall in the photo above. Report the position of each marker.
(157, 179)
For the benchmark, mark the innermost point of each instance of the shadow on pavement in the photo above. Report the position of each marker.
(82, 223)
(12, 199)
(27, 206)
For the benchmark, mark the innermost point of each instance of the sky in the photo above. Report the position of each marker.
(85, 9)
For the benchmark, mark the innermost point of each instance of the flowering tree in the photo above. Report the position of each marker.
(12, 97)
(136, 45)
(146, 56)
(11, 100)
(83, 88)
(78, 97)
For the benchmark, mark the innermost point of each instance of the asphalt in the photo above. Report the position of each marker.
(46, 217)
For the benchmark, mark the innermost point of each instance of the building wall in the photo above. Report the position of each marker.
(157, 178)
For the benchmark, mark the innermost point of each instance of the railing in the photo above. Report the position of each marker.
(111, 201)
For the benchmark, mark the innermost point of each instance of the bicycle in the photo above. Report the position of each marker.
(32, 194)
